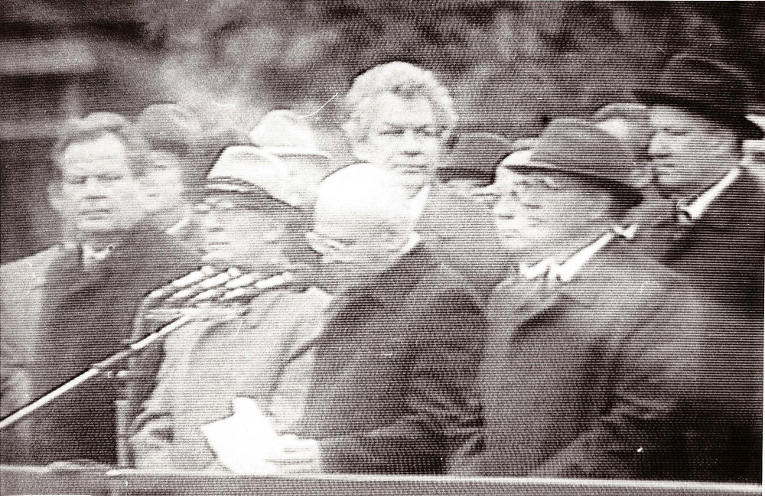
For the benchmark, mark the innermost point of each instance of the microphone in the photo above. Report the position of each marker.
(258, 287)
(239, 282)
(204, 286)
(185, 281)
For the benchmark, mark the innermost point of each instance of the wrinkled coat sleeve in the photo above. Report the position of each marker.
(153, 428)
(441, 414)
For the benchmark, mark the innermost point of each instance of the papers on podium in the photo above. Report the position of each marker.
(243, 441)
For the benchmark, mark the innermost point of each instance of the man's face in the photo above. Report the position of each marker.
(351, 249)
(403, 138)
(536, 211)
(164, 182)
(688, 152)
(238, 234)
(99, 192)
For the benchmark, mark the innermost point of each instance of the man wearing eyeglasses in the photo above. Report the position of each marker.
(591, 357)
(251, 218)
(400, 119)
(394, 364)
(92, 287)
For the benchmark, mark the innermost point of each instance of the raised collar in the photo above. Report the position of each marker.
(391, 287)
(576, 276)
(691, 209)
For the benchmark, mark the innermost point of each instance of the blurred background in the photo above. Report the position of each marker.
(511, 66)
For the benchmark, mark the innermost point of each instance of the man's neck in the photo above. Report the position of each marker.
(567, 248)
(697, 189)
(102, 241)
(167, 219)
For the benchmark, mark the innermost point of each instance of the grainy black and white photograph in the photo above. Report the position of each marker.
(381, 247)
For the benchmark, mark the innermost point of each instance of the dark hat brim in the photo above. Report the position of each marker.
(747, 129)
(631, 193)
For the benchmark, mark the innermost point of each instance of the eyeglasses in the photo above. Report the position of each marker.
(527, 189)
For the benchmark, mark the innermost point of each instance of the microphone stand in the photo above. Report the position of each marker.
(95, 370)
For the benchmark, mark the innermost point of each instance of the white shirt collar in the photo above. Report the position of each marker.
(176, 228)
(693, 208)
(418, 201)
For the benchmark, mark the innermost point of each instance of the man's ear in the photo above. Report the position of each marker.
(276, 232)
(361, 150)
(724, 142)
(393, 237)
(55, 196)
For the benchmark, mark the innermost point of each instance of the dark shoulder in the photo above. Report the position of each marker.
(443, 287)
(162, 250)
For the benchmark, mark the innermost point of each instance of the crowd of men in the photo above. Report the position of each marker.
(583, 303)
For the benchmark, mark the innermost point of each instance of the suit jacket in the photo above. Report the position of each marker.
(21, 294)
(595, 378)
(86, 317)
(461, 234)
(208, 363)
(394, 370)
(722, 253)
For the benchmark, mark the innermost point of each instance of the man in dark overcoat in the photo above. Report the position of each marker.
(394, 366)
(714, 231)
(592, 363)
(92, 289)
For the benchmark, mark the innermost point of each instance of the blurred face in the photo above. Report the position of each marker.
(403, 138)
(351, 249)
(538, 211)
(99, 193)
(688, 152)
(754, 156)
(237, 234)
(164, 182)
(489, 195)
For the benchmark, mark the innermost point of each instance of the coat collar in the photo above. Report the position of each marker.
(392, 286)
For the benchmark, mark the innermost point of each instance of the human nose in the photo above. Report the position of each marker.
(93, 188)
(211, 221)
(658, 145)
(411, 143)
(506, 206)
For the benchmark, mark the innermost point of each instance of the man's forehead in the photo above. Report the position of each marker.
(679, 117)
(105, 146)
(398, 111)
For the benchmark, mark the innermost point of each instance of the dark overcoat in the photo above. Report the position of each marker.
(393, 372)
(615, 374)
(86, 316)
(721, 254)
(461, 234)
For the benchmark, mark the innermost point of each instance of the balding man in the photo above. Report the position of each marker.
(400, 119)
(396, 359)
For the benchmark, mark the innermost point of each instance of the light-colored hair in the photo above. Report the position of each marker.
(401, 79)
(97, 125)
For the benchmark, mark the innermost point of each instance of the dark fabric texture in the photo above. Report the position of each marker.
(393, 372)
(86, 317)
(460, 233)
(616, 374)
(721, 254)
